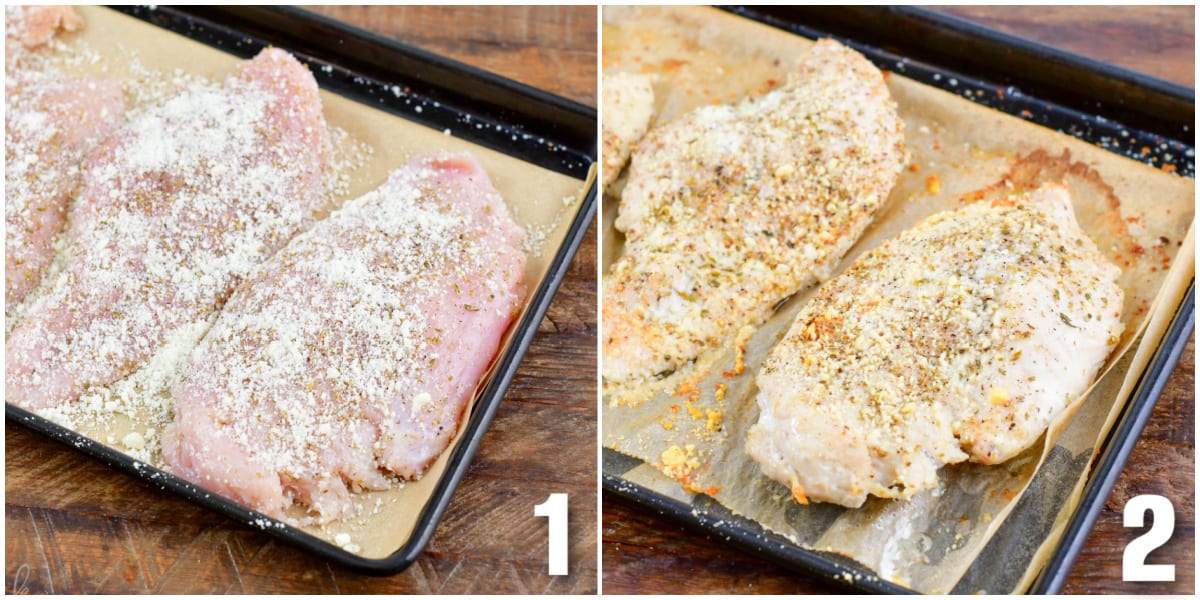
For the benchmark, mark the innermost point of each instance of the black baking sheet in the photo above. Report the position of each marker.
(1118, 110)
(520, 121)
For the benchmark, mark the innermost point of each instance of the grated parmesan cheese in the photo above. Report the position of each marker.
(347, 359)
(731, 208)
(960, 339)
(124, 288)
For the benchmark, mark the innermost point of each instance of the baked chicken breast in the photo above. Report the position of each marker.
(730, 209)
(959, 340)
(628, 105)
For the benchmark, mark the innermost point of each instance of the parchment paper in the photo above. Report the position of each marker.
(961, 152)
(543, 202)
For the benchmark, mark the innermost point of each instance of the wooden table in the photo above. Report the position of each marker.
(76, 526)
(645, 553)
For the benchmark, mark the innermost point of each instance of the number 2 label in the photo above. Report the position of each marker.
(1134, 567)
(555, 509)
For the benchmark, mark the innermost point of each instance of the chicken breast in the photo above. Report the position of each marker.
(730, 209)
(628, 105)
(352, 354)
(959, 340)
(30, 27)
(50, 126)
(175, 210)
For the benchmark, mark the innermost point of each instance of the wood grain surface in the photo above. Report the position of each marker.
(645, 553)
(76, 526)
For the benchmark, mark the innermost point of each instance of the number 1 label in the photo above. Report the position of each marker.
(555, 508)
(1133, 565)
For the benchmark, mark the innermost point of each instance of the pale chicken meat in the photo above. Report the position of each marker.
(27, 28)
(50, 127)
(350, 356)
(628, 105)
(175, 209)
(730, 209)
(50, 124)
(959, 340)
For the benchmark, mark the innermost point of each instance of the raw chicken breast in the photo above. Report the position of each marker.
(30, 27)
(730, 209)
(176, 208)
(49, 128)
(959, 340)
(628, 104)
(352, 354)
